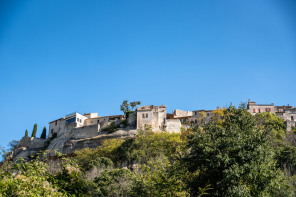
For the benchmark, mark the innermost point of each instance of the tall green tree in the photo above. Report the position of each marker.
(127, 108)
(34, 132)
(235, 158)
(43, 135)
(26, 133)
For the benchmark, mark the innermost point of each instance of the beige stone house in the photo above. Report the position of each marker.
(287, 113)
(201, 116)
(66, 123)
(154, 116)
(254, 108)
(76, 120)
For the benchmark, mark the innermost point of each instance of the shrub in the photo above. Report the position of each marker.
(26, 179)
(116, 182)
(111, 128)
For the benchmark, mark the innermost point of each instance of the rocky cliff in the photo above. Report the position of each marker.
(77, 138)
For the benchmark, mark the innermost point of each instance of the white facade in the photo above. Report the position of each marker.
(76, 120)
(67, 123)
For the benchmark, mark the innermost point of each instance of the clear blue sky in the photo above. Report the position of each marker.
(61, 56)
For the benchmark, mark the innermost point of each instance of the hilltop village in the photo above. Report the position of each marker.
(77, 131)
(159, 119)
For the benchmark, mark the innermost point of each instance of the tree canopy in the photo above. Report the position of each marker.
(34, 132)
(43, 134)
(127, 108)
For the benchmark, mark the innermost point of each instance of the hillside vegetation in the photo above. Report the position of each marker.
(235, 154)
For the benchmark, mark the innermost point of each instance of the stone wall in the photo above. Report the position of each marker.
(290, 124)
(84, 132)
(28, 146)
(31, 142)
(173, 125)
(180, 113)
(132, 120)
(144, 117)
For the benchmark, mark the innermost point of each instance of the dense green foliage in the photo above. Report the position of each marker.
(235, 154)
(26, 179)
(43, 134)
(235, 158)
(34, 132)
(128, 108)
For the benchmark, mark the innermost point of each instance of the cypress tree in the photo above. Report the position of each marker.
(34, 131)
(26, 133)
(43, 135)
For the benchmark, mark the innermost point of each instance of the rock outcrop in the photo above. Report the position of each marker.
(77, 138)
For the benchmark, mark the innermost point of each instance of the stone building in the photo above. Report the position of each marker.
(183, 116)
(155, 116)
(104, 121)
(254, 108)
(76, 120)
(66, 123)
(201, 116)
(287, 113)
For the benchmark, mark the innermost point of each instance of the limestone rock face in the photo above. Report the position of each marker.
(77, 138)
(28, 146)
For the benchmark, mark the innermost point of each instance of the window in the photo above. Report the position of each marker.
(254, 110)
(208, 114)
(259, 110)
(77, 119)
(56, 122)
(195, 113)
(51, 131)
(268, 109)
(80, 121)
(146, 115)
(292, 118)
(143, 115)
(98, 121)
(90, 121)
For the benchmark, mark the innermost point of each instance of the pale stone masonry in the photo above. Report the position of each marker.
(287, 113)
(76, 131)
(157, 118)
(154, 116)
(76, 120)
